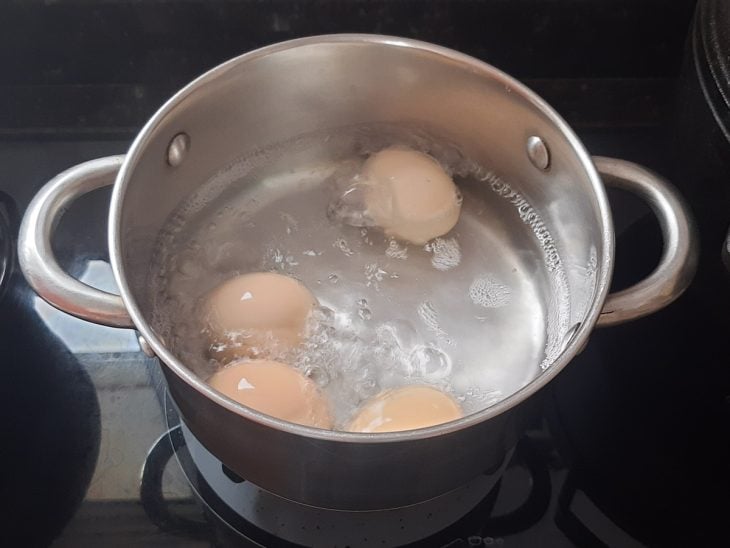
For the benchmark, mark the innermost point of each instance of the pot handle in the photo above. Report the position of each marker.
(678, 263)
(35, 253)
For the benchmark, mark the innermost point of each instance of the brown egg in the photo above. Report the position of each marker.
(275, 389)
(409, 195)
(256, 315)
(405, 408)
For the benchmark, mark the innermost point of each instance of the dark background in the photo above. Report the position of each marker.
(76, 68)
(643, 412)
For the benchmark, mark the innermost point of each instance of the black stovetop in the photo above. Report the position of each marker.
(631, 448)
(628, 450)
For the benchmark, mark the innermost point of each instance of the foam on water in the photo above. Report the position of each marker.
(396, 250)
(487, 292)
(462, 313)
(428, 315)
(446, 253)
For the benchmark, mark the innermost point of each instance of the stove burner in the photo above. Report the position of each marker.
(239, 511)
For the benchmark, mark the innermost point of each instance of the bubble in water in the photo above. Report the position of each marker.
(220, 256)
(365, 236)
(391, 346)
(276, 259)
(446, 253)
(487, 292)
(558, 315)
(189, 268)
(374, 275)
(341, 244)
(350, 358)
(400, 332)
(592, 266)
(291, 224)
(367, 387)
(431, 362)
(459, 197)
(429, 317)
(363, 311)
(318, 374)
(396, 251)
(349, 206)
(276, 256)
(323, 314)
(479, 397)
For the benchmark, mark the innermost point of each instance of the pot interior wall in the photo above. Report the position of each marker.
(272, 97)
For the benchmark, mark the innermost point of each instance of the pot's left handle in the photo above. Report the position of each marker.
(35, 253)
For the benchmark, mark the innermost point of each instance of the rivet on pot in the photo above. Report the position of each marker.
(145, 346)
(178, 149)
(538, 152)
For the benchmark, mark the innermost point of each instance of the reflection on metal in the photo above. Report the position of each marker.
(538, 153)
(678, 264)
(178, 148)
(145, 347)
(78, 335)
(6, 242)
(35, 253)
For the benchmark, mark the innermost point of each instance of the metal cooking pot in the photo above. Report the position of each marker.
(322, 83)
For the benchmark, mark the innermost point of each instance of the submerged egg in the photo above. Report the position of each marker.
(275, 389)
(405, 408)
(256, 314)
(409, 195)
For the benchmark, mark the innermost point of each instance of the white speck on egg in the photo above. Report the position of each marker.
(243, 384)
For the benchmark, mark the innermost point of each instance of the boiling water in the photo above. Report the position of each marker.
(477, 313)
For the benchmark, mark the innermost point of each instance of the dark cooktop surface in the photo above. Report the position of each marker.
(628, 452)
(631, 447)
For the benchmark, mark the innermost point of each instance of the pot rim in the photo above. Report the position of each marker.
(178, 368)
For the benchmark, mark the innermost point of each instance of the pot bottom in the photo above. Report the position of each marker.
(251, 512)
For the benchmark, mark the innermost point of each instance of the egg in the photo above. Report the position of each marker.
(405, 408)
(409, 195)
(275, 389)
(256, 315)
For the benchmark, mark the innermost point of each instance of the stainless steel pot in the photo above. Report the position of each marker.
(323, 83)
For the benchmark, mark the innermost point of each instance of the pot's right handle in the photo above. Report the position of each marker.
(35, 253)
(678, 263)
